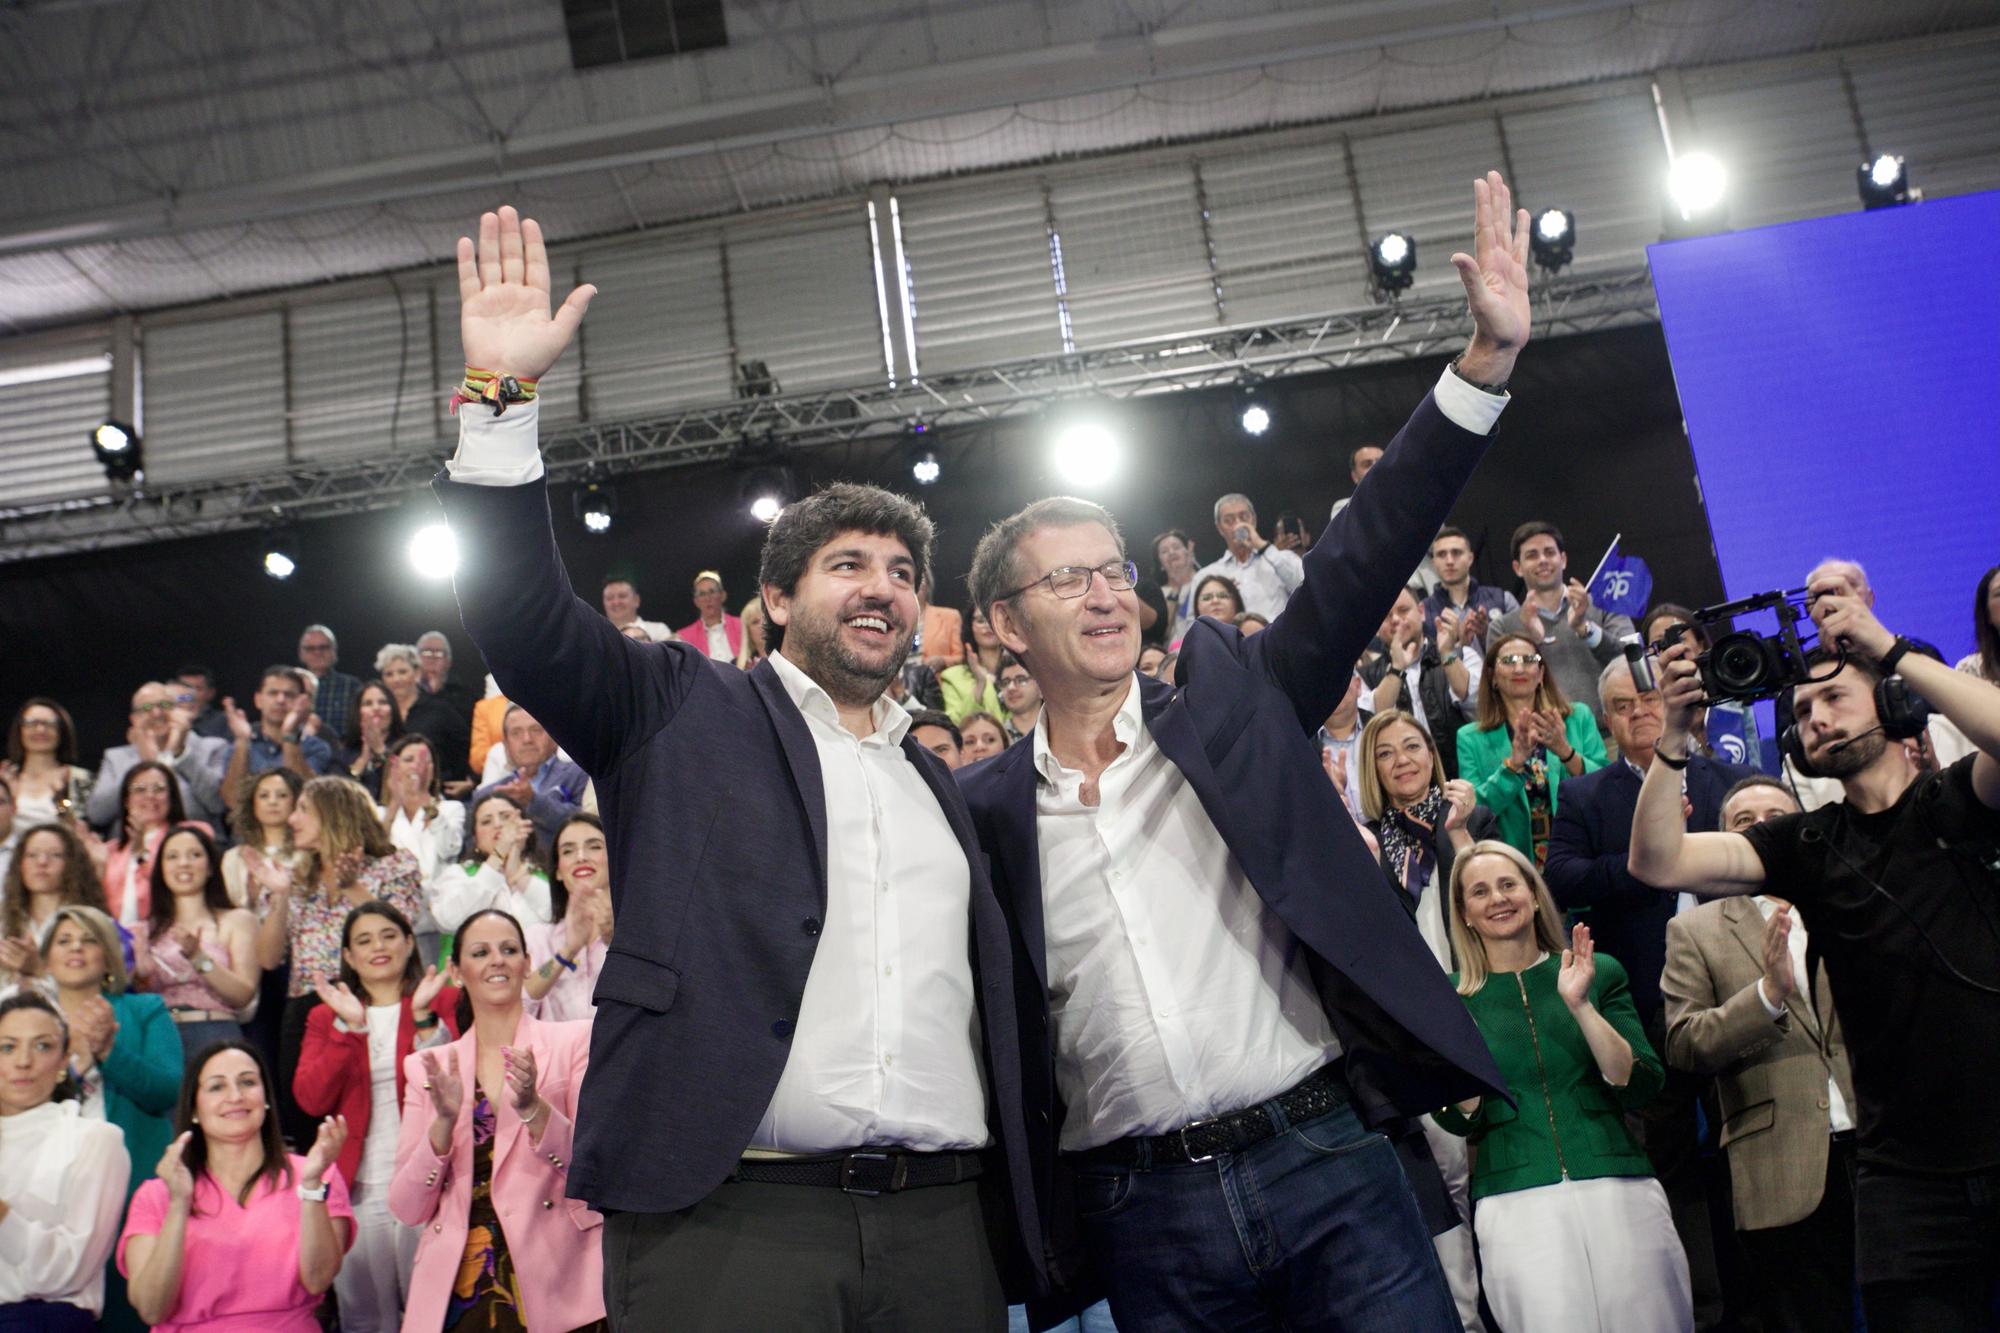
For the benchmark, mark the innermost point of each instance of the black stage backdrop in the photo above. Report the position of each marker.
(1592, 441)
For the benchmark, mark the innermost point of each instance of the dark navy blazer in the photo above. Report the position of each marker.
(1587, 874)
(709, 786)
(1240, 725)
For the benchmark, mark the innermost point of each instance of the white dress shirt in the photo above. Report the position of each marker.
(63, 1176)
(1175, 994)
(885, 1047)
(1267, 579)
(1839, 1120)
(718, 642)
(1412, 701)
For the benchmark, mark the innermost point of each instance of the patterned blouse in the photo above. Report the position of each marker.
(316, 919)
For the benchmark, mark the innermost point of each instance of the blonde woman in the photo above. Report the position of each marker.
(1573, 1230)
(752, 650)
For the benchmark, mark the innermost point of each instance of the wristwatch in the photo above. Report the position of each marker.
(313, 1193)
(204, 964)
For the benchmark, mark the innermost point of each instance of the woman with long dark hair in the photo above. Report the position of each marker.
(41, 765)
(196, 951)
(62, 1178)
(51, 870)
(1217, 595)
(569, 953)
(262, 824)
(149, 803)
(234, 1232)
(487, 1130)
(1984, 660)
(384, 1006)
(501, 866)
(374, 726)
(968, 686)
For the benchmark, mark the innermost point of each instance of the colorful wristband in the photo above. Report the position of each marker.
(495, 391)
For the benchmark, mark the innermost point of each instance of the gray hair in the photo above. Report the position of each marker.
(1860, 574)
(996, 562)
(332, 639)
(396, 652)
(1612, 670)
(440, 636)
(1233, 495)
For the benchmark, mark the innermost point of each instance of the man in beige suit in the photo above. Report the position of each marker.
(1738, 1009)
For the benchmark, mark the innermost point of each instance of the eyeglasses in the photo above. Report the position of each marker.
(40, 723)
(1520, 659)
(149, 790)
(1009, 682)
(1074, 580)
(164, 706)
(432, 652)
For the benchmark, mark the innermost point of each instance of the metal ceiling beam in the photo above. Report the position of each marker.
(1203, 359)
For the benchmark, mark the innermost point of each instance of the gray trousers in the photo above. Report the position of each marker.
(757, 1257)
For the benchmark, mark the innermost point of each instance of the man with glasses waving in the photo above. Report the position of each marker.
(1240, 1013)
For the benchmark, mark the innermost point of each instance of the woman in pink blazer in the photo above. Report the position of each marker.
(483, 1157)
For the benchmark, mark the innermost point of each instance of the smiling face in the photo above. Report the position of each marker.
(1517, 670)
(400, 677)
(983, 738)
(1075, 643)
(42, 857)
(153, 712)
(149, 798)
(1175, 558)
(1541, 564)
(1405, 619)
(490, 962)
(849, 622)
(1214, 598)
(377, 949)
(1403, 763)
(184, 865)
(583, 861)
(621, 602)
(75, 956)
(229, 1098)
(32, 1059)
(1496, 899)
(419, 768)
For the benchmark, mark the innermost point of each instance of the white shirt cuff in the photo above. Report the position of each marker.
(1466, 407)
(496, 451)
(1593, 633)
(1776, 1011)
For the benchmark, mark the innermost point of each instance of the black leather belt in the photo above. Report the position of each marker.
(1204, 1140)
(865, 1172)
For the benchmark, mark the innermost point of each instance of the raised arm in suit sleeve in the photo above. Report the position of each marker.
(1706, 1032)
(1367, 553)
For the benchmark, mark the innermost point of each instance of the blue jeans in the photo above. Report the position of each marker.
(1314, 1228)
(1093, 1319)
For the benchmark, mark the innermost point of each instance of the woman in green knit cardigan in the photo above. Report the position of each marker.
(1528, 738)
(1574, 1232)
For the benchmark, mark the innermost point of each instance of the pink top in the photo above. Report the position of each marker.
(173, 978)
(240, 1273)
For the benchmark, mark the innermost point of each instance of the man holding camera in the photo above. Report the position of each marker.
(1900, 887)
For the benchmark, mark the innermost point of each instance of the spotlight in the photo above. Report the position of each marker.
(1885, 183)
(1253, 411)
(1697, 183)
(1553, 238)
(755, 380)
(766, 508)
(1086, 452)
(595, 506)
(1392, 258)
(924, 465)
(926, 469)
(117, 448)
(278, 565)
(767, 490)
(434, 552)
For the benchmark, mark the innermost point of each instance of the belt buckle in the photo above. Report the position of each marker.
(1182, 1134)
(847, 1185)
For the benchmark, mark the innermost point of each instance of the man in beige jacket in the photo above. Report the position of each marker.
(1740, 1008)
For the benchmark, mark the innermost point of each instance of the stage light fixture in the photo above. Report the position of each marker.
(117, 448)
(1553, 239)
(1884, 182)
(595, 506)
(925, 466)
(1392, 259)
(766, 508)
(434, 552)
(1697, 184)
(279, 565)
(1086, 452)
(766, 491)
(926, 469)
(1253, 408)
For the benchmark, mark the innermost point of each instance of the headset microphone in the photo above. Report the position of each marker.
(1846, 741)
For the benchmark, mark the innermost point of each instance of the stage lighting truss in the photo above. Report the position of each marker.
(1885, 183)
(1392, 262)
(1552, 239)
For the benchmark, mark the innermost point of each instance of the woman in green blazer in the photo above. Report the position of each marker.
(125, 1054)
(1527, 740)
(1574, 1232)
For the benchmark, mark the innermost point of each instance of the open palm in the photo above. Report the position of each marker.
(1495, 274)
(504, 319)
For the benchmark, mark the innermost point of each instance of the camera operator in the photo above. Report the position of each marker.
(1898, 887)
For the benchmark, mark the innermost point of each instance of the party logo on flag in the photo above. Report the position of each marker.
(1622, 584)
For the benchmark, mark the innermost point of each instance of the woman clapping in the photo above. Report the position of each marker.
(570, 953)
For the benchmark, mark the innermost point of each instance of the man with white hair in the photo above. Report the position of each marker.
(1265, 576)
(443, 711)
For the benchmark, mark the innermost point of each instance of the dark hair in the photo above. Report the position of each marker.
(1680, 614)
(531, 849)
(351, 736)
(176, 808)
(1827, 655)
(1754, 780)
(243, 818)
(1984, 633)
(17, 753)
(807, 525)
(1245, 617)
(276, 1170)
(931, 717)
(1449, 531)
(1235, 593)
(410, 740)
(464, 1010)
(296, 675)
(197, 669)
(1533, 528)
(1008, 659)
(996, 561)
(80, 885)
(617, 578)
(413, 965)
(559, 891)
(1160, 568)
(66, 1088)
(214, 893)
(1354, 454)
(1492, 712)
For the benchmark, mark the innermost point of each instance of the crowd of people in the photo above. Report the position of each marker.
(1380, 937)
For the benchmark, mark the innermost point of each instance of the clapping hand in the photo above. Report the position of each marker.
(1579, 607)
(1579, 969)
(346, 1005)
(447, 1089)
(332, 1137)
(1459, 798)
(17, 954)
(180, 1180)
(518, 1063)
(1779, 980)
(504, 321)
(1446, 630)
(426, 993)
(93, 1028)
(296, 715)
(239, 723)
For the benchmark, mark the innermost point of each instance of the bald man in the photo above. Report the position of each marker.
(161, 728)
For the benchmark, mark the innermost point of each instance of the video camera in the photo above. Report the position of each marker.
(1741, 664)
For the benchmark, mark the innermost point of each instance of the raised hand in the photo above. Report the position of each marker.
(1847, 620)
(141, 740)
(503, 291)
(579, 926)
(346, 1005)
(447, 1089)
(296, 715)
(1495, 275)
(1579, 606)
(1681, 695)
(347, 867)
(1524, 736)
(332, 1137)
(1779, 980)
(1446, 629)
(239, 723)
(518, 1063)
(1579, 969)
(427, 990)
(180, 1180)
(1459, 798)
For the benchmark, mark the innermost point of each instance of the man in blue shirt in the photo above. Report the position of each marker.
(549, 788)
(278, 738)
(338, 691)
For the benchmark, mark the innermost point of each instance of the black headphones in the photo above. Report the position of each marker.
(1900, 711)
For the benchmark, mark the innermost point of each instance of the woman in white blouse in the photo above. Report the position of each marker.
(567, 955)
(501, 867)
(422, 823)
(62, 1179)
